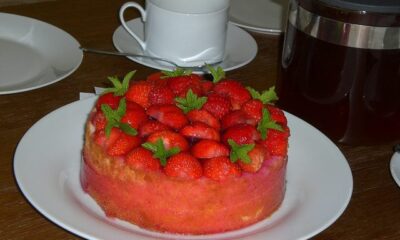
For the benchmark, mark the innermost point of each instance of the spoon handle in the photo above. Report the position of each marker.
(98, 51)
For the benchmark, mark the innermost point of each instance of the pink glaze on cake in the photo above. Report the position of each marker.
(155, 201)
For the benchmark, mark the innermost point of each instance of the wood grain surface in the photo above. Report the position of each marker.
(374, 209)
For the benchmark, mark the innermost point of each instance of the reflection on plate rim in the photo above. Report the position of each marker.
(52, 27)
(89, 102)
(395, 163)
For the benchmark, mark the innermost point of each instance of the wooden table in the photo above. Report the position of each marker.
(373, 212)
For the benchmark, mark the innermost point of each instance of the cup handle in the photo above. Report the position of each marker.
(143, 16)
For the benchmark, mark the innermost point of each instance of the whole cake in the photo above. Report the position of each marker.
(181, 154)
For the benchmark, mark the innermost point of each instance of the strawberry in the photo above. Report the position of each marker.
(123, 144)
(139, 93)
(151, 126)
(220, 168)
(114, 119)
(180, 84)
(141, 158)
(105, 141)
(253, 108)
(168, 114)
(159, 150)
(276, 141)
(250, 157)
(134, 106)
(267, 123)
(108, 99)
(237, 117)
(155, 77)
(199, 130)
(276, 114)
(161, 95)
(217, 105)
(190, 102)
(99, 120)
(184, 166)
(234, 91)
(241, 134)
(209, 149)
(134, 117)
(200, 115)
(206, 86)
(170, 139)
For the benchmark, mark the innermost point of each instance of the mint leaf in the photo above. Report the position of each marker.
(240, 152)
(266, 96)
(190, 102)
(217, 73)
(119, 88)
(176, 73)
(266, 123)
(159, 150)
(114, 117)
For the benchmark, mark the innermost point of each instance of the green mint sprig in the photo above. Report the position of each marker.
(266, 123)
(190, 102)
(176, 73)
(240, 152)
(114, 117)
(119, 88)
(159, 150)
(217, 73)
(267, 96)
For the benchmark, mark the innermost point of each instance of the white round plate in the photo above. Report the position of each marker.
(264, 16)
(395, 167)
(241, 47)
(47, 165)
(34, 54)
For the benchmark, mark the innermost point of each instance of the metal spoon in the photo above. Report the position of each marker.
(200, 68)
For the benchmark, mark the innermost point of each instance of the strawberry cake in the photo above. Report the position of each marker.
(180, 154)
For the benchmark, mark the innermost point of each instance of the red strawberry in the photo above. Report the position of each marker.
(220, 168)
(241, 134)
(234, 90)
(161, 95)
(217, 105)
(199, 130)
(168, 114)
(134, 117)
(101, 139)
(199, 115)
(155, 77)
(170, 139)
(237, 117)
(134, 106)
(108, 99)
(140, 158)
(276, 114)
(139, 93)
(123, 144)
(209, 149)
(181, 84)
(276, 142)
(99, 120)
(253, 107)
(257, 156)
(183, 165)
(150, 127)
(206, 86)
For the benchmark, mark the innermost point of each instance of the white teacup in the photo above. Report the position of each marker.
(188, 32)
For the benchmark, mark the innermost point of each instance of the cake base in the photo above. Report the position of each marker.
(157, 202)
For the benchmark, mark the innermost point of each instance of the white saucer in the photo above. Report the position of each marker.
(34, 54)
(264, 16)
(395, 167)
(241, 48)
(318, 190)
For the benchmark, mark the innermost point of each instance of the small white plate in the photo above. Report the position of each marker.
(395, 167)
(47, 165)
(264, 16)
(34, 54)
(241, 48)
